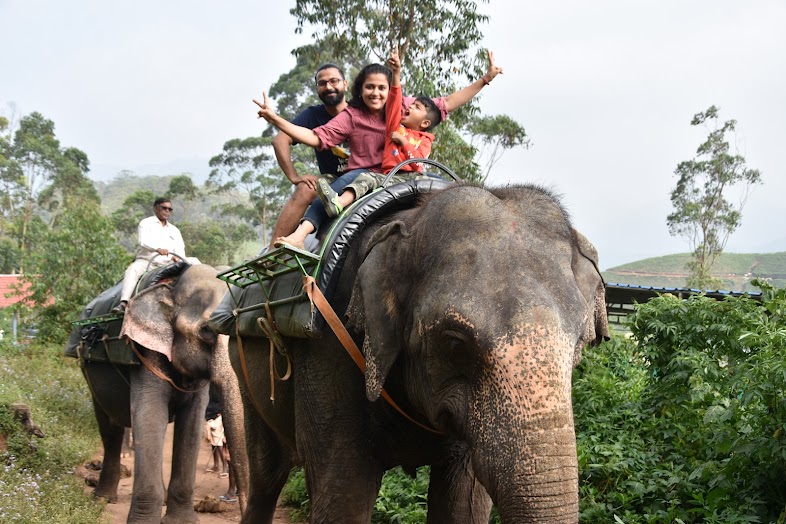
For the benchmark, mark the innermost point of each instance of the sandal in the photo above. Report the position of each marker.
(227, 499)
(223, 475)
(329, 198)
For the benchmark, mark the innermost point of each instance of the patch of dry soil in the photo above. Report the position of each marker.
(208, 485)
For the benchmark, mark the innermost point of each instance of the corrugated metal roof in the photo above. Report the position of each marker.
(622, 294)
(8, 293)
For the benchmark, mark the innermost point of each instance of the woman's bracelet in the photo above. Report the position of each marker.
(485, 82)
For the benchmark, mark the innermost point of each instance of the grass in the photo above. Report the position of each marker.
(38, 473)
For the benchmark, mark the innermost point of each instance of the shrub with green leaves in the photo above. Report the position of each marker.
(693, 430)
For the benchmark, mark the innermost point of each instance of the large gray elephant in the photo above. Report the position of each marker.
(472, 310)
(180, 355)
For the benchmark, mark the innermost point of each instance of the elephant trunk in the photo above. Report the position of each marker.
(522, 425)
(233, 417)
(541, 485)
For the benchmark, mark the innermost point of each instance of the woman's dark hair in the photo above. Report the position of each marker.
(360, 79)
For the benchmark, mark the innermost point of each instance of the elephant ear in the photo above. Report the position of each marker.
(375, 306)
(148, 319)
(592, 287)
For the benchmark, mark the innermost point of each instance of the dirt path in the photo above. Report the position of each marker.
(207, 485)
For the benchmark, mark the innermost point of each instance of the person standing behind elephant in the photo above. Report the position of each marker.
(363, 124)
(331, 88)
(160, 243)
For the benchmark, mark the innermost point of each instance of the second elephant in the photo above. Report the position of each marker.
(168, 324)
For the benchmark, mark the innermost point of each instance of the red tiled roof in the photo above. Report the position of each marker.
(8, 294)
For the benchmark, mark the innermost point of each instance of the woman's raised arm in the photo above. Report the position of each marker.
(299, 134)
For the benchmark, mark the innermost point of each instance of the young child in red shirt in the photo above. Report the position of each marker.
(406, 136)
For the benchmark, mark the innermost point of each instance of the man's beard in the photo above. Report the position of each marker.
(332, 98)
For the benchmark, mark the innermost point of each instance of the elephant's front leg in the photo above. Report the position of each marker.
(455, 496)
(150, 415)
(343, 473)
(189, 421)
(343, 485)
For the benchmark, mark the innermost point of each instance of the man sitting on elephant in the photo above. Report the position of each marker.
(160, 243)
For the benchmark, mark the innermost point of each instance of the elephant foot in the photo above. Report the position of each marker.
(180, 519)
(109, 496)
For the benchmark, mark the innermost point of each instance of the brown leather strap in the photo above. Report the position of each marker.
(243, 367)
(157, 372)
(319, 300)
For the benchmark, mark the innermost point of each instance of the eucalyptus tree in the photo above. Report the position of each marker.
(439, 46)
(703, 213)
(247, 166)
(38, 179)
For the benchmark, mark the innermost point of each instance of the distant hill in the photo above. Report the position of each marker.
(197, 168)
(735, 270)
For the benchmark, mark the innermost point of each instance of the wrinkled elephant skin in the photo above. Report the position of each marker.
(472, 310)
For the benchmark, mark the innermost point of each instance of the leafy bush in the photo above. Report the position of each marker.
(684, 422)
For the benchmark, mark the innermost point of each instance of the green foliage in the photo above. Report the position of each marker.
(182, 186)
(246, 165)
(295, 496)
(439, 45)
(453, 151)
(214, 243)
(684, 422)
(137, 206)
(10, 255)
(39, 180)
(38, 473)
(72, 263)
(495, 134)
(402, 499)
(702, 212)
(436, 39)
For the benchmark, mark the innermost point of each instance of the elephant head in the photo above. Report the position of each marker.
(483, 300)
(171, 319)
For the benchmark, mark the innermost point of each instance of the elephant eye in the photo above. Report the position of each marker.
(455, 339)
(207, 334)
(460, 351)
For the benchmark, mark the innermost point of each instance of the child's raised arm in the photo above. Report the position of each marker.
(395, 66)
(461, 97)
(300, 134)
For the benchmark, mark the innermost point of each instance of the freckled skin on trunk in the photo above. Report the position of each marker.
(521, 426)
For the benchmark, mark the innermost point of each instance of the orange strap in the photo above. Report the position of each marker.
(319, 300)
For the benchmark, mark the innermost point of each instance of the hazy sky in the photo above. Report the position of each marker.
(606, 90)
